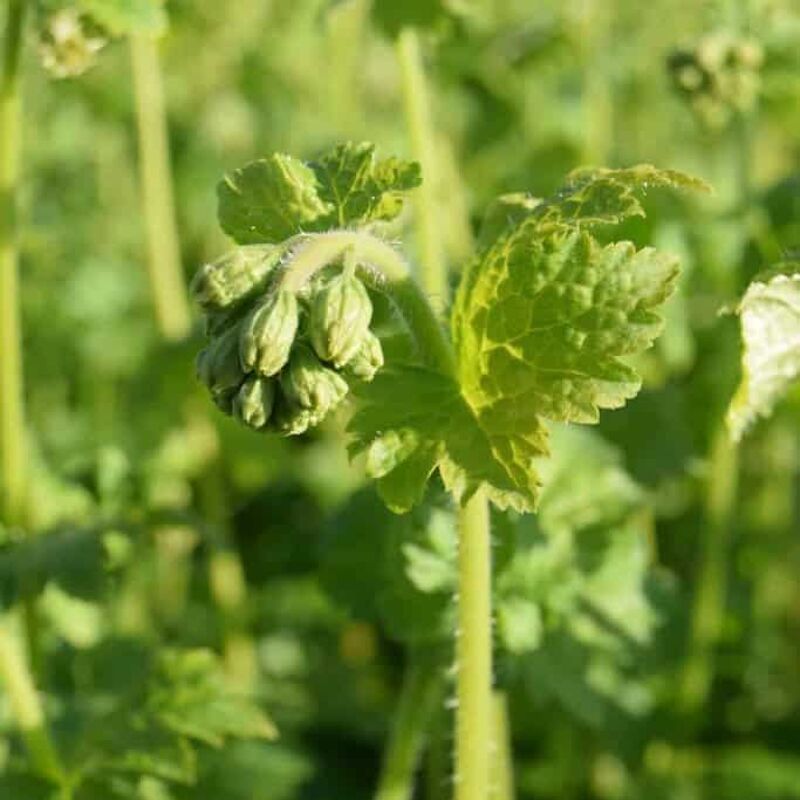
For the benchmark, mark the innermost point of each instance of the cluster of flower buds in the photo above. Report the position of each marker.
(719, 76)
(69, 41)
(279, 360)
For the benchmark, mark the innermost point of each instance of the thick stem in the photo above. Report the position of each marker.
(474, 652)
(387, 272)
(416, 100)
(167, 282)
(12, 417)
(420, 696)
(26, 708)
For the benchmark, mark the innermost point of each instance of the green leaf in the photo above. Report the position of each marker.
(361, 189)
(392, 16)
(608, 196)
(769, 314)
(122, 17)
(193, 698)
(278, 197)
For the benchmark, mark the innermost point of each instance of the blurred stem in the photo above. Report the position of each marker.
(598, 105)
(167, 282)
(474, 652)
(25, 706)
(12, 415)
(419, 699)
(417, 104)
(228, 586)
(345, 27)
(502, 774)
(711, 582)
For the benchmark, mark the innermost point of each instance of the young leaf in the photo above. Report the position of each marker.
(770, 320)
(277, 197)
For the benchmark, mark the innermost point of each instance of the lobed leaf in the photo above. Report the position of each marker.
(278, 197)
(770, 321)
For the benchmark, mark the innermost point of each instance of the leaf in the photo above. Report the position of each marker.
(600, 196)
(122, 17)
(361, 189)
(192, 698)
(278, 197)
(769, 315)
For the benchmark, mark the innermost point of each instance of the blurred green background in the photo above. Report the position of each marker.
(276, 553)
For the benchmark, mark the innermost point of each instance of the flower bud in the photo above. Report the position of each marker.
(291, 420)
(268, 333)
(368, 360)
(236, 276)
(310, 385)
(69, 43)
(219, 369)
(254, 401)
(339, 319)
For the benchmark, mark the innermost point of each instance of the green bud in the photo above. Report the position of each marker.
(219, 369)
(268, 333)
(310, 385)
(339, 319)
(235, 277)
(368, 360)
(291, 420)
(254, 401)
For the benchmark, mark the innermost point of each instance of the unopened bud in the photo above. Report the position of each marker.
(254, 401)
(368, 360)
(310, 385)
(268, 333)
(235, 277)
(219, 369)
(339, 319)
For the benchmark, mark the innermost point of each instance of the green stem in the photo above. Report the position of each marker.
(167, 281)
(598, 106)
(474, 652)
(387, 272)
(12, 415)
(416, 101)
(420, 696)
(26, 708)
(502, 774)
(711, 583)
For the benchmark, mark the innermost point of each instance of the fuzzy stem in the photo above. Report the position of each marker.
(388, 272)
(12, 416)
(502, 776)
(167, 282)
(416, 101)
(420, 696)
(26, 708)
(474, 714)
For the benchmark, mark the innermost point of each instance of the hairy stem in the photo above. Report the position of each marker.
(422, 691)
(24, 703)
(167, 282)
(416, 100)
(12, 416)
(474, 652)
(387, 271)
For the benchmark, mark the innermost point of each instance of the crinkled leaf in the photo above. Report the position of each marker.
(770, 321)
(608, 196)
(121, 17)
(277, 197)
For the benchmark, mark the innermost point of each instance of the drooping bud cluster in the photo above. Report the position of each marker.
(280, 360)
(69, 41)
(719, 76)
